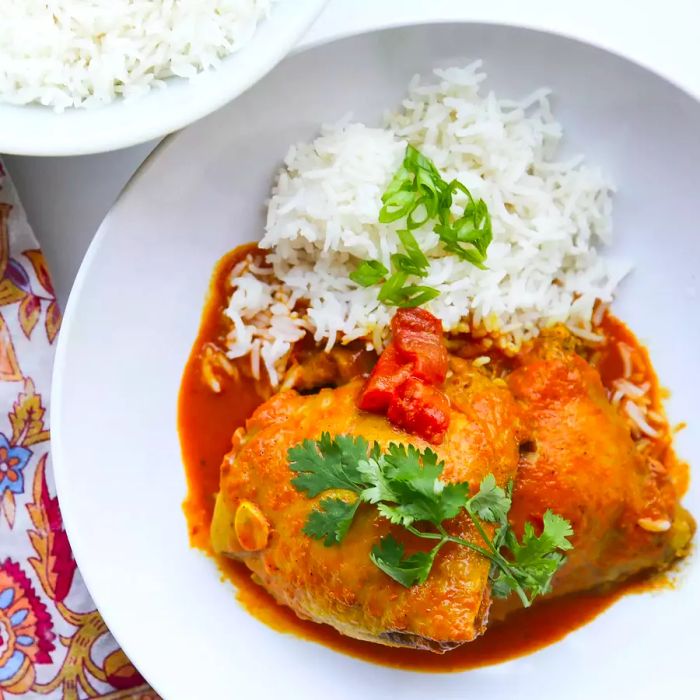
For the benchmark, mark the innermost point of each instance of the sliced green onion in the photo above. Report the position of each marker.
(368, 273)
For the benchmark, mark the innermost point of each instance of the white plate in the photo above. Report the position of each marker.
(135, 309)
(39, 131)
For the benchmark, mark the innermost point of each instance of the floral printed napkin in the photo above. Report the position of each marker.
(53, 642)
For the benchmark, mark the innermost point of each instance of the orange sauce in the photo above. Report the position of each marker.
(206, 422)
(523, 632)
(610, 364)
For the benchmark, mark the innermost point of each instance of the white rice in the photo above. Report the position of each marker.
(83, 53)
(636, 414)
(549, 217)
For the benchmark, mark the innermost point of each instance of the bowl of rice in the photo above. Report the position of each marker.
(82, 77)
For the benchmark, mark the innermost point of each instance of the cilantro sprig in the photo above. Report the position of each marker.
(404, 484)
(418, 194)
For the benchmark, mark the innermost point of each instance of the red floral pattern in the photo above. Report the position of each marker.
(42, 599)
(26, 637)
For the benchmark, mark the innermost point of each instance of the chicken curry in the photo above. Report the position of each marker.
(565, 429)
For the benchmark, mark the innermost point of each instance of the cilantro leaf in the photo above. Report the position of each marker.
(327, 463)
(490, 503)
(389, 556)
(421, 496)
(554, 535)
(408, 465)
(379, 488)
(331, 521)
(405, 485)
(536, 559)
(503, 584)
(557, 529)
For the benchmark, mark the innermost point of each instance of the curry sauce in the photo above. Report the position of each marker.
(206, 422)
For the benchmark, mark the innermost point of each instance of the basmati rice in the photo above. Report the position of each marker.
(549, 218)
(83, 53)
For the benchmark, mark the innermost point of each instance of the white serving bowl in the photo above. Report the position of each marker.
(40, 131)
(136, 305)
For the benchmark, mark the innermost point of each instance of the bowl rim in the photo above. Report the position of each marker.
(315, 42)
(621, 38)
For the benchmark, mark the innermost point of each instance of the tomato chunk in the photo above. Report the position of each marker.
(403, 383)
(427, 354)
(388, 374)
(416, 320)
(420, 409)
(419, 340)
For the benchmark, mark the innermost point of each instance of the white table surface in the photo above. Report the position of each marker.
(67, 198)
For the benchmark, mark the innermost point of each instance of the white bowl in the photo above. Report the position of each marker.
(40, 131)
(134, 313)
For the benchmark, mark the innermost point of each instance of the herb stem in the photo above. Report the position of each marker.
(498, 558)
(438, 547)
(495, 558)
(481, 530)
(500, 561)
(425, 535)
(491, 553)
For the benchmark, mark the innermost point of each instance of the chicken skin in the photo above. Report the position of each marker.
(339, 585)
(582, 463)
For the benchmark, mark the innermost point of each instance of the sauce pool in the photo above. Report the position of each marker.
(206, 422)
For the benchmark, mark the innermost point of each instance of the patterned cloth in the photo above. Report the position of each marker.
(53, 643)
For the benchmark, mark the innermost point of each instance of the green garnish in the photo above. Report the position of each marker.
(536, 558)
(413, 261)
(418, 193)
(327, 464)
(469, 236)
(368, 273)
(395, 292)
(404, 485)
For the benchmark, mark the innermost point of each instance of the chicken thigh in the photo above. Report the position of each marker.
(340, 585)
(583, 463)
